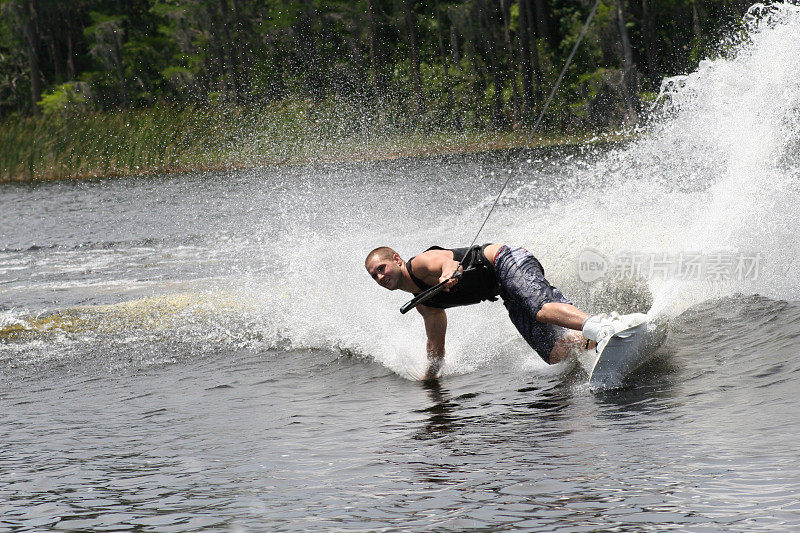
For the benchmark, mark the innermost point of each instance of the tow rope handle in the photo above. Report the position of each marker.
(427, 294)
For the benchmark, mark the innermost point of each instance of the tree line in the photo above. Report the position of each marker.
(453, 63)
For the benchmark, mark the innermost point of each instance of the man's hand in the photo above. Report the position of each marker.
(434, 366)
(449, 274)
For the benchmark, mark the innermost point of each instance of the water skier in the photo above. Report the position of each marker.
(545, 318)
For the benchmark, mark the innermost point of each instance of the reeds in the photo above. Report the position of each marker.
(166, 138)
(159, 139)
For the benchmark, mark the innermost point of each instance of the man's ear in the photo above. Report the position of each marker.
(396, 258)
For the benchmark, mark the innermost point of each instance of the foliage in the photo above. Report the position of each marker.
(483, 65)
(134, 53)
(65, 99)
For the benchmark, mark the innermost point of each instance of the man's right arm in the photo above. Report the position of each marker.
(436, 266)
(435, 329)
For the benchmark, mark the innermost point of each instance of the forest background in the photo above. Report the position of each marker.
(112, 87)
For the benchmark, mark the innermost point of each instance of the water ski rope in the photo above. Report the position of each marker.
(436, 289)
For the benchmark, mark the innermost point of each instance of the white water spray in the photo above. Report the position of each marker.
(717, 170)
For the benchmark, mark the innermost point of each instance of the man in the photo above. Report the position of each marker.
(544, 317)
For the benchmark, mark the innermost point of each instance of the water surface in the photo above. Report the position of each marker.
(206, 351)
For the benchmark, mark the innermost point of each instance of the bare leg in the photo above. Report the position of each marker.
(567, 345)
(564, 315)
(567, 316)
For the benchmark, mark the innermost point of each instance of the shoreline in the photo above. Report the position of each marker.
(170, 141)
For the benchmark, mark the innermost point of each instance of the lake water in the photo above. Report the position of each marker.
(206, 351)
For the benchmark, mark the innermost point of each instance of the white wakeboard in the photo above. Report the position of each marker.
(627, 350)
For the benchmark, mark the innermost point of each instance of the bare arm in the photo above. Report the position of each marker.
(436, 266)
(435, 328)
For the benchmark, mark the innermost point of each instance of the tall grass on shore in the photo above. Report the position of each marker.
(158, 139)
(165, 138)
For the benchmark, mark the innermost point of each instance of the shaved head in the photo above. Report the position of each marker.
(382, 253)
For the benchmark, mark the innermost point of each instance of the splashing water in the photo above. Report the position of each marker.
(715, 171)
(273, 258)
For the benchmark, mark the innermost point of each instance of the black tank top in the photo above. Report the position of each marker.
(478, 283)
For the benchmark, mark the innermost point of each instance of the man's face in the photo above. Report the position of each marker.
(386, 272)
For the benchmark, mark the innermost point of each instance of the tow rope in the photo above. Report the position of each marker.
(436, 289)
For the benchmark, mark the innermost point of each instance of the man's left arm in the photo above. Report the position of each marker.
(435, 329)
